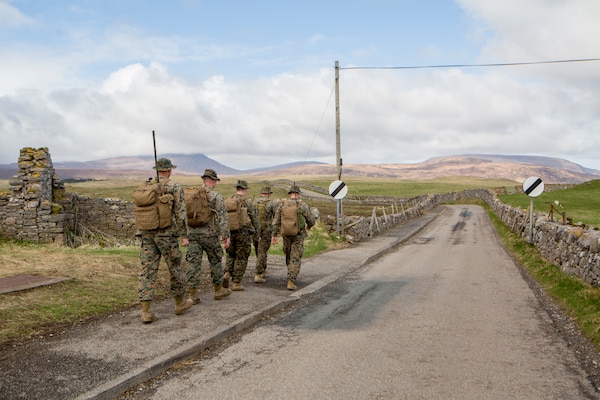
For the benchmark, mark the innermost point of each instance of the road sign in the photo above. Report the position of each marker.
(338, 190)
(533, 186)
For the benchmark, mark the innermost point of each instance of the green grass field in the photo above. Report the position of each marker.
(104, 279)
(406, 188)
(581, 203)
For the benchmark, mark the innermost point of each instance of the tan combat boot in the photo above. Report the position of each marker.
(259, 278)
(226, 278)
(237, 287)
(221, 292)
(194, 295)
(181, 305)
(291, 285)
(147, 315)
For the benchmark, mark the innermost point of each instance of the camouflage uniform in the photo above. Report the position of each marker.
(165, 243)
(293, 246)
(241, 243)
(207, 238)
(264, 242)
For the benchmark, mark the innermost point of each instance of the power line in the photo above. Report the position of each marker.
(479, 65)
(319, 125)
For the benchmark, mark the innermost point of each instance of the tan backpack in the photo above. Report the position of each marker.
(198, 208)
(237, 213)
(289, 218)
(261, 207)
(152, 207)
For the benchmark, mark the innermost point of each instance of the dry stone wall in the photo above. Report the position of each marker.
(39, 210)
(29, 213)
(574, 249)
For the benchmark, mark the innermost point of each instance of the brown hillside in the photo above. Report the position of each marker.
(455, 166)
(515, 168)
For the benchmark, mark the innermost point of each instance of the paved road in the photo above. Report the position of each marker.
(445, 316)
(103, 358)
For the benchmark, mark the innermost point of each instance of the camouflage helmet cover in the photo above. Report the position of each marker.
(241, 184)
(164, 164)
(210, 173)
(266, 190)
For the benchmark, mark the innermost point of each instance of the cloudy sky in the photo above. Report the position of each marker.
(251, 83)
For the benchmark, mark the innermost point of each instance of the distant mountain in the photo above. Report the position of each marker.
(515, 168)
(512, 167)
(186, 164)
(529, 160)
(141, 166)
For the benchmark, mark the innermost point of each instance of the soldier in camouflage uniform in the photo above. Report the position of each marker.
(293, 246)
(164, 242)
(207, 238)
(241, 242)
(266, 211)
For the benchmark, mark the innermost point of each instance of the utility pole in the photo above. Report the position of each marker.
(338, 154)
(338, 151)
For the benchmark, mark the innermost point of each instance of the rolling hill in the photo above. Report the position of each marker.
(516, 168)
(513, 167)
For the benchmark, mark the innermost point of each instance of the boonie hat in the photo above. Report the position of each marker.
(294, 189)
(241, 184)
(210, 173)
(266, 190)
(164, 164)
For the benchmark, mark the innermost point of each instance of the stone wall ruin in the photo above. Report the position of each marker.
(38, 209)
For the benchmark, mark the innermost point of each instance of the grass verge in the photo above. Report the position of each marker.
(103, 280)
(579, 300)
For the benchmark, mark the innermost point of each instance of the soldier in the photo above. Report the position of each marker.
(266, 211)
(293, 245)
(207, 238)
(164, 242)
(241, 239)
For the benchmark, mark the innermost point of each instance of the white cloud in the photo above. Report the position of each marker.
(11, 17)
(244, 121)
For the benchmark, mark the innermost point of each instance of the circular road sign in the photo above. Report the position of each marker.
(533, 186)
(338, 190)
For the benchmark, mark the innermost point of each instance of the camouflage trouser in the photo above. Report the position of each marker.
(293, 247)
(214, 252)
(153, 247)
(238, 253)
(261, 251)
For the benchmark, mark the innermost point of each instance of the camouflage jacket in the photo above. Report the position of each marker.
(218, 225)
(270, 209)
(304, 209)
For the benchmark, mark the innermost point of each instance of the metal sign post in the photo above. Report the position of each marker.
(533, 187)
(338, 190)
